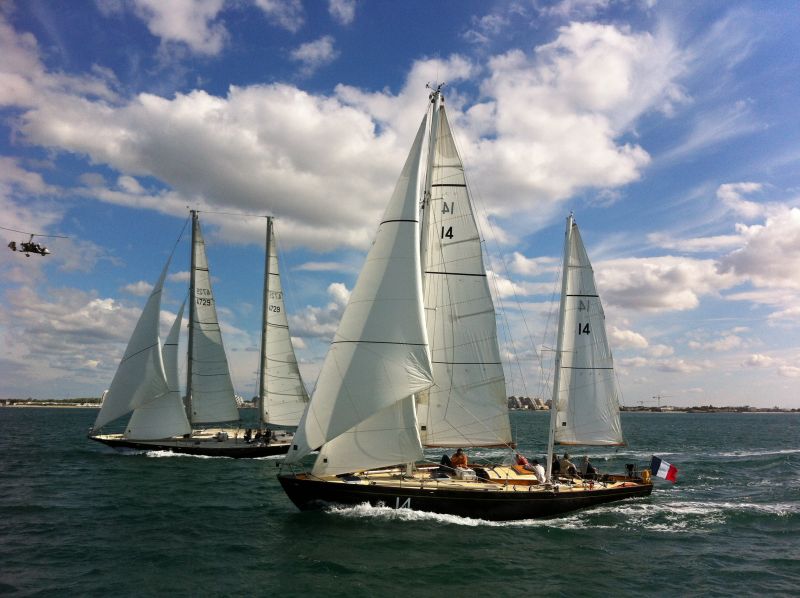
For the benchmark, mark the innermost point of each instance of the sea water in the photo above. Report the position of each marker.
(79, 519)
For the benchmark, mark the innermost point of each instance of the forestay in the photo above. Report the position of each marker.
(165, 416)
(212, 396)
(379, 355)
(586, 395)
(468, 405)
(140, 376)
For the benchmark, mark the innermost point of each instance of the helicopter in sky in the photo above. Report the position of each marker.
(30, 246)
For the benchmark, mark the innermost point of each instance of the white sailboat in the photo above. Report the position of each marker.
(282, 396)
(585, 405)
(410, 366)
(146, 382)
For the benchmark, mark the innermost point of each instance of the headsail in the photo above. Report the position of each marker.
(379, 355)
(585, 393)
(165, 416)
(467, 406)
(210, 388)
(140, 377)
(282, 395)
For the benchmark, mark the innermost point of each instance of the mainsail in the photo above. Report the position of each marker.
(467, 406)
(282, 394)
(209, 387)
(379, 355)
(140, 377)
(166, 416)
(585, 392)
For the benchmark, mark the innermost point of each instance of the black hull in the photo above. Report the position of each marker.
(205, 448)
(309, 494)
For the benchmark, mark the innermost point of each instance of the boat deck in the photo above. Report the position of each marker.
(501, 478)
(222, 442)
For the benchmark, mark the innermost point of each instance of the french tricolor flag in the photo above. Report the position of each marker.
(663, 469)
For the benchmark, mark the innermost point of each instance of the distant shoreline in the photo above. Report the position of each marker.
(701, 409)
(89, 404)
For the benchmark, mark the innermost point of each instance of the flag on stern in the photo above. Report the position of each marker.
(663, 469)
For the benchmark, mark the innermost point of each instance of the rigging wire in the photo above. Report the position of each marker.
(24, 232)
(480, 204)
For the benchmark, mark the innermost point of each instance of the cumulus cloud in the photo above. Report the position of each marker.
(757, 360)
(575, 9)
(551, 126)
(316, 54)
(321, 322)
(520, 264)
(342, 11)
(287, 14)
(185, 21)
(660, 351)
(681, 366)
(139, 289)
(548, 127)
(770, 255)
(732, 197)
(626, 339)
(77, 329)
(323, 267)
(725, 343)
(486, 27)
(663, 283)
(789, 371)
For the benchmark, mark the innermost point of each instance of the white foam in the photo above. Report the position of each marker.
(365, 510)
(763, 453)
(164, 454)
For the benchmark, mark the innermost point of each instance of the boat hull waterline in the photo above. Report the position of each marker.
(474, 500)
(234, 448)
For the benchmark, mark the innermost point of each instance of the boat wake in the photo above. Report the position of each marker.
(166, 454)
(367, 511)
(665, 517)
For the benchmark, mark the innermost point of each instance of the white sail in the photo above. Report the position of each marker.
(467, 406)
(379, 355)
(387, 438)
(283, 396)
(586, 396)
(165, 416)
(211, 390)
(140, 377)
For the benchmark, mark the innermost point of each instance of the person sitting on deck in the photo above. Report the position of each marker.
(555, 466)
(538, 470)
(459, 459)
(588, 471)
(567, 467)
(520, 460)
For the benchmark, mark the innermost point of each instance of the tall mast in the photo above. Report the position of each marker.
(262, 378)
(192, 300)
(436, 99)
(559, 346)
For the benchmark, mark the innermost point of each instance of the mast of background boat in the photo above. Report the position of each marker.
(437, 100)
(192, 300)
(262, 379)
(559, 345)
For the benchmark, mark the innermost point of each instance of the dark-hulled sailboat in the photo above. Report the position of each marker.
(415, 362)
(146, 382)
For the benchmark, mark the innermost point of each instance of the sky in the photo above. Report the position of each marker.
(670, 129)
